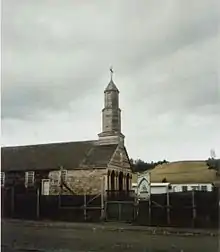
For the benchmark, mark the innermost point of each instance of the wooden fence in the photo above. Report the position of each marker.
(30, 204)
(189, 209)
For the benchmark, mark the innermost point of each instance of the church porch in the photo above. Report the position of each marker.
(119, 184)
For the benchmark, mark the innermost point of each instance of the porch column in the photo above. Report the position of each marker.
(130, 182)
(108, 181)
(124, 182)
(116, 181)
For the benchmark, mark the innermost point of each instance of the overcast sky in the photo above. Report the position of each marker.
(55, 66)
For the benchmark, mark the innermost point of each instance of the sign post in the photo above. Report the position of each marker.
(144, 190)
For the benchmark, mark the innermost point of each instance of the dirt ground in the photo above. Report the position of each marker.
(21, 237)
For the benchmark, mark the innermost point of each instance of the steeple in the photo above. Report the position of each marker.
(111, 116)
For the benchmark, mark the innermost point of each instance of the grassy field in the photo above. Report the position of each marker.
(183, 172)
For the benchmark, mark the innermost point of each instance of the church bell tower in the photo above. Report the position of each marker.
(111, 116)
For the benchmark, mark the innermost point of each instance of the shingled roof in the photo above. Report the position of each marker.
(52, 156)
(111, 87)
(99, 154)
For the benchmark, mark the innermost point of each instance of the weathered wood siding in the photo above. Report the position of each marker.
(79, 181)
(14, 178)
(18, 177)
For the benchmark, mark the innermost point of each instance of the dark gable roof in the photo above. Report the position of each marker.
(99, 154)
(52, 156)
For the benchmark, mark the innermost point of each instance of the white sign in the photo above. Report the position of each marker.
(45, 190)
(143, 185)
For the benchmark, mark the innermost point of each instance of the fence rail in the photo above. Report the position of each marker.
(116, 195)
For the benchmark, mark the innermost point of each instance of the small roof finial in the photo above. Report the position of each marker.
(111, 72)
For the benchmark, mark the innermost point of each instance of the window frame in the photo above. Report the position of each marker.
(2, 179)
(29, 175)
(195, 188)
(42, 184)
(184, 188)
(204, 188)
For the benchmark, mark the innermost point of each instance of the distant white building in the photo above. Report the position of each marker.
(154, 188)
(159, 188)
(207, 187)
(144, 187)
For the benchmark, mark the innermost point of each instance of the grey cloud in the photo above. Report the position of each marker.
(164, 54)
(189, 95)
(48, 49)
(173, 28)
(29, 100)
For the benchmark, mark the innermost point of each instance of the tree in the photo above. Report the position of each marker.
(140, 165)
(212, 162)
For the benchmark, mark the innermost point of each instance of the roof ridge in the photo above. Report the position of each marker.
(46, 144)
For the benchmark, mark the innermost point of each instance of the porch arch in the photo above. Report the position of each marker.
(128, 182)
(112, 180)
(120, 181)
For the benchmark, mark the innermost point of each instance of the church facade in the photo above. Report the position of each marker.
(86, 167)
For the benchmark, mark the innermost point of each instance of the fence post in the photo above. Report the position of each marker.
(135, 209)
(106, 210)
(193, 208)
(149, 209)
(3, 201)
(218, 196)
(168, 208)
(102, 199)
(119, 211)
(84, 207)
(38, 203)
(149, 205)
(12, 201)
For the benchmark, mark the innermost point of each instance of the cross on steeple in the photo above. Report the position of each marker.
(111, 72)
